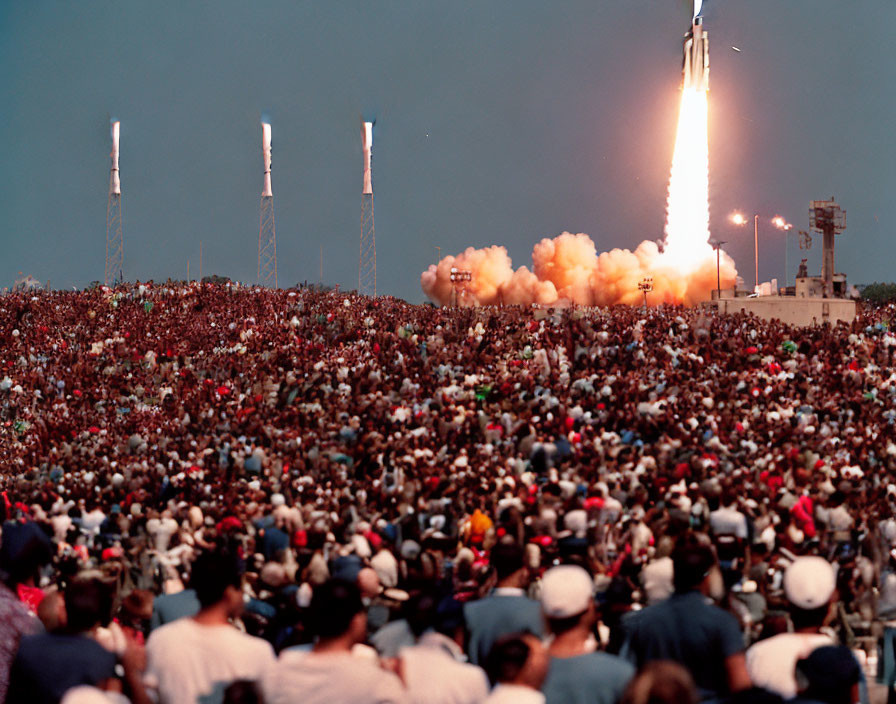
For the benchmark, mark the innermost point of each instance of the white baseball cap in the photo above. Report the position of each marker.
(809, 582)
(566, 590)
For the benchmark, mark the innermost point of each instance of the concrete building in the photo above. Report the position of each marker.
(792, 310)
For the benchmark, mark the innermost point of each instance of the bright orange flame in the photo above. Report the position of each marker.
(738, 219)
(687, 213)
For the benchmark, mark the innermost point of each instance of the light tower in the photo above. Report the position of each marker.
(828, 218)
(267, 234)
(114, 243)
(367, 259)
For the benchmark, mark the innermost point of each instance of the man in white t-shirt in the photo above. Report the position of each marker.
(727, 519)
(195, 659)
(161, 529)
(809, 584)
(434, 668)
(331, 672)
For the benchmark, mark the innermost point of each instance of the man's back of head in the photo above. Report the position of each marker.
(88, 604)
(217, 581)
(692, 561)
(507, 558)
(337, 611)
(518, 659)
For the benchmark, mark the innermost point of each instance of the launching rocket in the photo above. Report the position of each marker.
(695, 65)
(116, 181)
(266, 151)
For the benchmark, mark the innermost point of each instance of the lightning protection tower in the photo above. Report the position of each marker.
(114, 243)
(267, 234)
(367, 260)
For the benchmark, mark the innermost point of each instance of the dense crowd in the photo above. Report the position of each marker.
(218, 493)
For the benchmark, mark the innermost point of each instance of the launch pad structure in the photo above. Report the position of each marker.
(813, 299)
(267, 232)
(114, 270)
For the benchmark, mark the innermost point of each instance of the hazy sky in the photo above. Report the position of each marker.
(498, 122)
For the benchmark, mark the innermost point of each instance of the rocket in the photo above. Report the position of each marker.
(367, 146)
(695, 64)
(266, 150)
(116, 181)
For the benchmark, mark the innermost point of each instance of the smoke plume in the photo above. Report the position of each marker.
(568, 270)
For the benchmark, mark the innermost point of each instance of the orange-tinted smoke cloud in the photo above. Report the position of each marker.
(568, 270)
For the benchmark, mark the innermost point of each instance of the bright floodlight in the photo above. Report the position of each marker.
(738, 219)
(781, 223)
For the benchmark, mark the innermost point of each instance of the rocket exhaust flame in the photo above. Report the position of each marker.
(687, 214)
(567, 269)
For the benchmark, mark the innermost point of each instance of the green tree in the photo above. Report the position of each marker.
(878, 293)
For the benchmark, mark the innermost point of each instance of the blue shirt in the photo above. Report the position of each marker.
(690, 631)
(499, 614)
(48, 665)
(591, 678)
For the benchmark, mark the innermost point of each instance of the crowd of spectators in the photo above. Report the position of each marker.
(218, 493)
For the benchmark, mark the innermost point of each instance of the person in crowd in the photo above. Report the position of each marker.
(434, 670)
(661, 682)
(331, 671)
(517, 666)
(809, 586)
(23, 550)
(579, 673)
(828, 675)
(507, 609)
(197, 657)
(686, 629)
(47, 665)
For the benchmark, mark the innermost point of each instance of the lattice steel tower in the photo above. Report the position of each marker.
(114, 243)
(367, 260)
(267, 234)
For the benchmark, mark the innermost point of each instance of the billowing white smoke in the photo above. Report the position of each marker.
(567, 270)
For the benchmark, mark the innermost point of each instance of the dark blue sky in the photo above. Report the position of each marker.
(498, 121)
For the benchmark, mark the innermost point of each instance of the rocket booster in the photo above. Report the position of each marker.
(695, 65)
(116, 181)
(266, 151)
(367, 145)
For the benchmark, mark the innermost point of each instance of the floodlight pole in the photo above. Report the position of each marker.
(756, 248)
